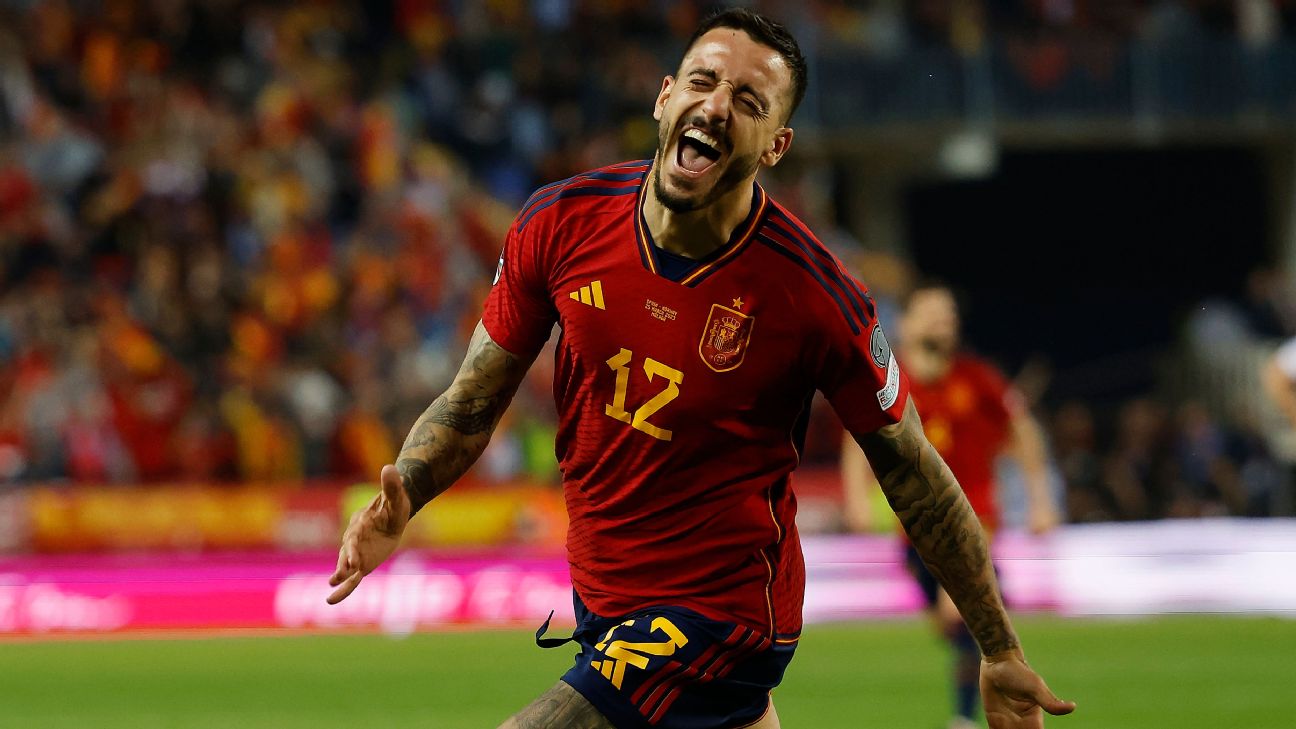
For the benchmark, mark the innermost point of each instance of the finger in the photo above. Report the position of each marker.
(395, 500)
(343, 569)
(1050, 702)
(1056, 706)
(346, 588)
(391, 483)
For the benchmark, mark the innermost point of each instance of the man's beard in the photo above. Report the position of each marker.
(737, 170)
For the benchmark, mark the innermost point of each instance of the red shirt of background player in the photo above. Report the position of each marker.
(966, 414)
(683, 401)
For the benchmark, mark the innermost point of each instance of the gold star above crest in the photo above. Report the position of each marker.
(738, 303)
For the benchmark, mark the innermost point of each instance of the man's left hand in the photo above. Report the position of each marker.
(1015, 697)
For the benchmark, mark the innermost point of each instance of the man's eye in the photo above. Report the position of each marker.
(699, 83)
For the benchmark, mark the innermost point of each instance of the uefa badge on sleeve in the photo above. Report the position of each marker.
(879, 347)
(725, 338)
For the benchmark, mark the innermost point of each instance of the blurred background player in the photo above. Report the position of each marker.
(1279, 378)
(972, 415)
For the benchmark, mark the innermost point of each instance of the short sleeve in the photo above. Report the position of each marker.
(1285, 358)
(860, 377)
(519, 313)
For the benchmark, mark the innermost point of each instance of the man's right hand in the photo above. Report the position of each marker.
(372, 535)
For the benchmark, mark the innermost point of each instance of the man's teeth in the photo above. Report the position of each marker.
(698, 135)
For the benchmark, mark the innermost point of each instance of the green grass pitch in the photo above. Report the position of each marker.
(1178, 673)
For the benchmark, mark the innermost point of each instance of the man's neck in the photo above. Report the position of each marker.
(697, 233)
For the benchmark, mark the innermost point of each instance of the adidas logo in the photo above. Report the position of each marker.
(591, 295)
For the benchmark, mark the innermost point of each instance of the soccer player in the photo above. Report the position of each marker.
(697, 319)
(970, 415)
(1278, 376)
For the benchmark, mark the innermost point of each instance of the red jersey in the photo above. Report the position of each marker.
(683, 394)
(966, 414)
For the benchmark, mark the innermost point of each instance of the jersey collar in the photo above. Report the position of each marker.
(704, 267)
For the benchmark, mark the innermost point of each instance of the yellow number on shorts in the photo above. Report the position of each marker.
(621, 653)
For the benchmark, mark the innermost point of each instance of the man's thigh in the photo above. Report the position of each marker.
(561, 706)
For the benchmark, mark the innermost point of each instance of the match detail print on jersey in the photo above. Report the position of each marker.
(725, 337)
(620, 364)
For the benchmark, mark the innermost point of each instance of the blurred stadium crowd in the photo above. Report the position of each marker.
(247, 241)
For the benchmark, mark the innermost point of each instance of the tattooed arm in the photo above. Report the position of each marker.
(445, 441)
(942, 526)
(452, 433)
(947, 534)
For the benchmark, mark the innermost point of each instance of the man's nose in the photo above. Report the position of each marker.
(716, 105)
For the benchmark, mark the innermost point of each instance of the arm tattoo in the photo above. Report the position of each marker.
(942, 526)
(450, 435)
(470, 417)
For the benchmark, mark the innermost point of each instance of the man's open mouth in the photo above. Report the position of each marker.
(697, 151)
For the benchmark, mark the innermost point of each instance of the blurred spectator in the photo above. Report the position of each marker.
(1209, 479)
(1075, 450)
(1139, 471)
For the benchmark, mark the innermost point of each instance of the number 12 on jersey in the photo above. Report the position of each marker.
(620, 364)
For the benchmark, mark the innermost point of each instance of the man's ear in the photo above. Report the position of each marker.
(778, 147)
(668, 82)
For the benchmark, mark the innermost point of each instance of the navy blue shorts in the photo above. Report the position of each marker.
(669, 667)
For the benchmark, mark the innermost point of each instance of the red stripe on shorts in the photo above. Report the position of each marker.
(723, 664)
(662, 676)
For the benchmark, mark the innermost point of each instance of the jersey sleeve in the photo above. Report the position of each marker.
(519, 313)
(858, 373)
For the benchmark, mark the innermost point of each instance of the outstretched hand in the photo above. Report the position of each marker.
(1015, 697)
(371, 536)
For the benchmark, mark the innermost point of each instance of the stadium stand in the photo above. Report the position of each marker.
(246, 242)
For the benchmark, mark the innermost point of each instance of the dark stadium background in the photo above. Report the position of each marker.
(1094, 255)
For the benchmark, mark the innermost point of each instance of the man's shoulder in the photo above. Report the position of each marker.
(616, 185)
(822, 276)
(981, 370)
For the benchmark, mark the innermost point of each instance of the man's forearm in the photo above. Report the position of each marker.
(943, 528)
(451, 434)
(444, 443)
(947, 534)
(1032, 456)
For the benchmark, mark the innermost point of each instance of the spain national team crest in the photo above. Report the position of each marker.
(725, 338)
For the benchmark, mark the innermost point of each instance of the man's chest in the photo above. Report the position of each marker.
(662, 354)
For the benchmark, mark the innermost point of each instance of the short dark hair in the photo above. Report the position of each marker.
(934, 283)
(766, 32)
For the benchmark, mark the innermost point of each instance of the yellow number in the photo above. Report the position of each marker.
(620, 364)
(621, 653)
(673, 378)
